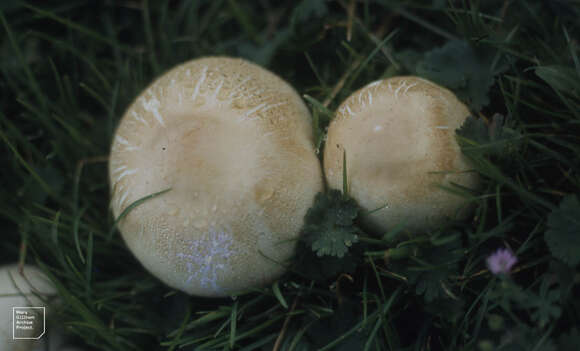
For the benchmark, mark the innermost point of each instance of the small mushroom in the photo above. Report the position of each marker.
(233, 144)
(27, 288)
(399, 139)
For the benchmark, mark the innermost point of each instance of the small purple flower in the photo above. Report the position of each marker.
(501, 262)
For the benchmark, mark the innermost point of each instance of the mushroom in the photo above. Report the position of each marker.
(22, 289)
(232, 143)
(399, 139)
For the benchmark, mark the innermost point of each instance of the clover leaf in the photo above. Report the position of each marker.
(563, 233)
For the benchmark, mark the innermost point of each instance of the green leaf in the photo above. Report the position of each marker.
(458, 66)
(409, 58)
(474, 129)
(564, 275)
(524, 338)
(33, 191)
(262, 53)
(430, 268)
(563, 233)
(329, 240)
(321, 268)
(308, 10)
(563, 79)
(478, 138)
(547, 308)
(329, 228)
(429, 284)
(307, 22)
(334, 242)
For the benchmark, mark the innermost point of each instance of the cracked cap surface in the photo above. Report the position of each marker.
(234, 144)
(399, 137)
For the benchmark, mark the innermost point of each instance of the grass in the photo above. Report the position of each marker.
(70, 69)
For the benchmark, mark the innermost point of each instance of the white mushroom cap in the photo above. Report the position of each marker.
(234, 143)
(399, 138)
(21, 290)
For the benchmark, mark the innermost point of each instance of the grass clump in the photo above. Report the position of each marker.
(70, 69)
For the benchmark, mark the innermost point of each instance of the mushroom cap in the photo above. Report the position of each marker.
(21, 290)
(399, 138)
(233, 143)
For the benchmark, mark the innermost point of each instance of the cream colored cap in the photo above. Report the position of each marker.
(28, 288)
(399, 137)
(234, 143)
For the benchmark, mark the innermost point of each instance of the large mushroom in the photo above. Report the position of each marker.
(233, 144)
(399, 138)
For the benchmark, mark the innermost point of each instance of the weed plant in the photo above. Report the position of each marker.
(69, 69)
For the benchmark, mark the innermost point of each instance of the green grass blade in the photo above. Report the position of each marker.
(233, 324)
(132, 206)
(278, 295)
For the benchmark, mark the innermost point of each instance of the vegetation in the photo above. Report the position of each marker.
(70, 69)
